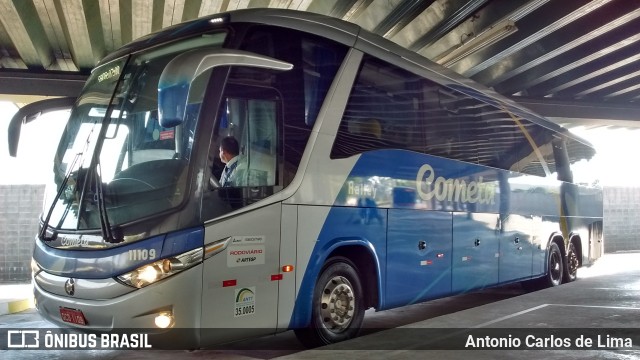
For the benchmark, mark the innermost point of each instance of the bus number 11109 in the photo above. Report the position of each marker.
(142, 254)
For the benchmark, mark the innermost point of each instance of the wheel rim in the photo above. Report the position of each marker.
(338, 304)
(573, 261)
(555, 266)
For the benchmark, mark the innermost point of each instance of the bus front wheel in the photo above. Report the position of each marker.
(338, 305)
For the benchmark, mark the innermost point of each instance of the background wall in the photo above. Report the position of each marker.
(20, 207)
(621, 219)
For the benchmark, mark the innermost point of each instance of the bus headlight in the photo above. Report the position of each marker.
(158, 270)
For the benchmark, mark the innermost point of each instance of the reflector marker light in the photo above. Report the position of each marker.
(287, 268)
(227, 283)
(215, 247)
(276, 277)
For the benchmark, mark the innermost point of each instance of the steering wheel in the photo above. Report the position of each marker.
(121, 181)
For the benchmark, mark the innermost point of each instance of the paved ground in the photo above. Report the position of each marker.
(604, 302)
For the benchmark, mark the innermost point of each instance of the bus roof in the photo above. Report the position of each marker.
(344, 32)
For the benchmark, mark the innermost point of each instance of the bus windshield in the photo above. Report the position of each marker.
(115, 160)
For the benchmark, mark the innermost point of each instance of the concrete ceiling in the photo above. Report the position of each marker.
(562, 58)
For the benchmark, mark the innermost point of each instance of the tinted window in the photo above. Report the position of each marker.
(303, 89)
(253, 123)
(270, 114)
(390, 108)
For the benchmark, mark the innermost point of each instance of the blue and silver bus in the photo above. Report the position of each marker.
(372, 178)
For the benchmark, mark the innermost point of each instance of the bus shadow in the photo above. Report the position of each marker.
(283, 344)
(388, 319)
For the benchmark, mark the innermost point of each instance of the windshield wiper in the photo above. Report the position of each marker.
(109, 234)
(42, 235)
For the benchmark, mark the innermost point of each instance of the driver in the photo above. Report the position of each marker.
(229, 155)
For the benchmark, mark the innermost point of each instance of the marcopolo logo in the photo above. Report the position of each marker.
(430, 186)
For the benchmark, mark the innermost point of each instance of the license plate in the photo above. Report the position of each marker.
(72, 316)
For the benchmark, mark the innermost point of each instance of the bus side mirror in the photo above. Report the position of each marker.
(31, 112)
(175, 80)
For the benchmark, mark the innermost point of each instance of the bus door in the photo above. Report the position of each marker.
(240, 283)
(240, 287)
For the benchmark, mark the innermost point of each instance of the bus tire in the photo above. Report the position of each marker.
(555, 266)
(572, 264)
(338, 305)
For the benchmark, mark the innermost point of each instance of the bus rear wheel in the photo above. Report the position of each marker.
(571, 270)
(338, 305)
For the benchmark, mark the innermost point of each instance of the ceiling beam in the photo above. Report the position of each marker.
(111, 27)
(142, 17)
(20, 21)
(48, 17)
(191, 10)
(209, 7)
(172, 13)
(585, 56)
(571, 36)
(42, 84)
(540, 23)
(454, 19)
(581, 109)
(402, 14)
(77, 33)
(341, 8)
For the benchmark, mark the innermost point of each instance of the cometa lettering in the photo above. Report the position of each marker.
(430, 186)
(113, 72)
(73, 242)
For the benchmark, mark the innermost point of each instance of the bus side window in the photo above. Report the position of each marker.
(383, 112)
(261, 143)
(252, 122)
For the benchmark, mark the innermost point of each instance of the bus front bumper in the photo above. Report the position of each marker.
(176, 298)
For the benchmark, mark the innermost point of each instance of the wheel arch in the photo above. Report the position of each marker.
(558, 239)
(368, 269)
(359, 251)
